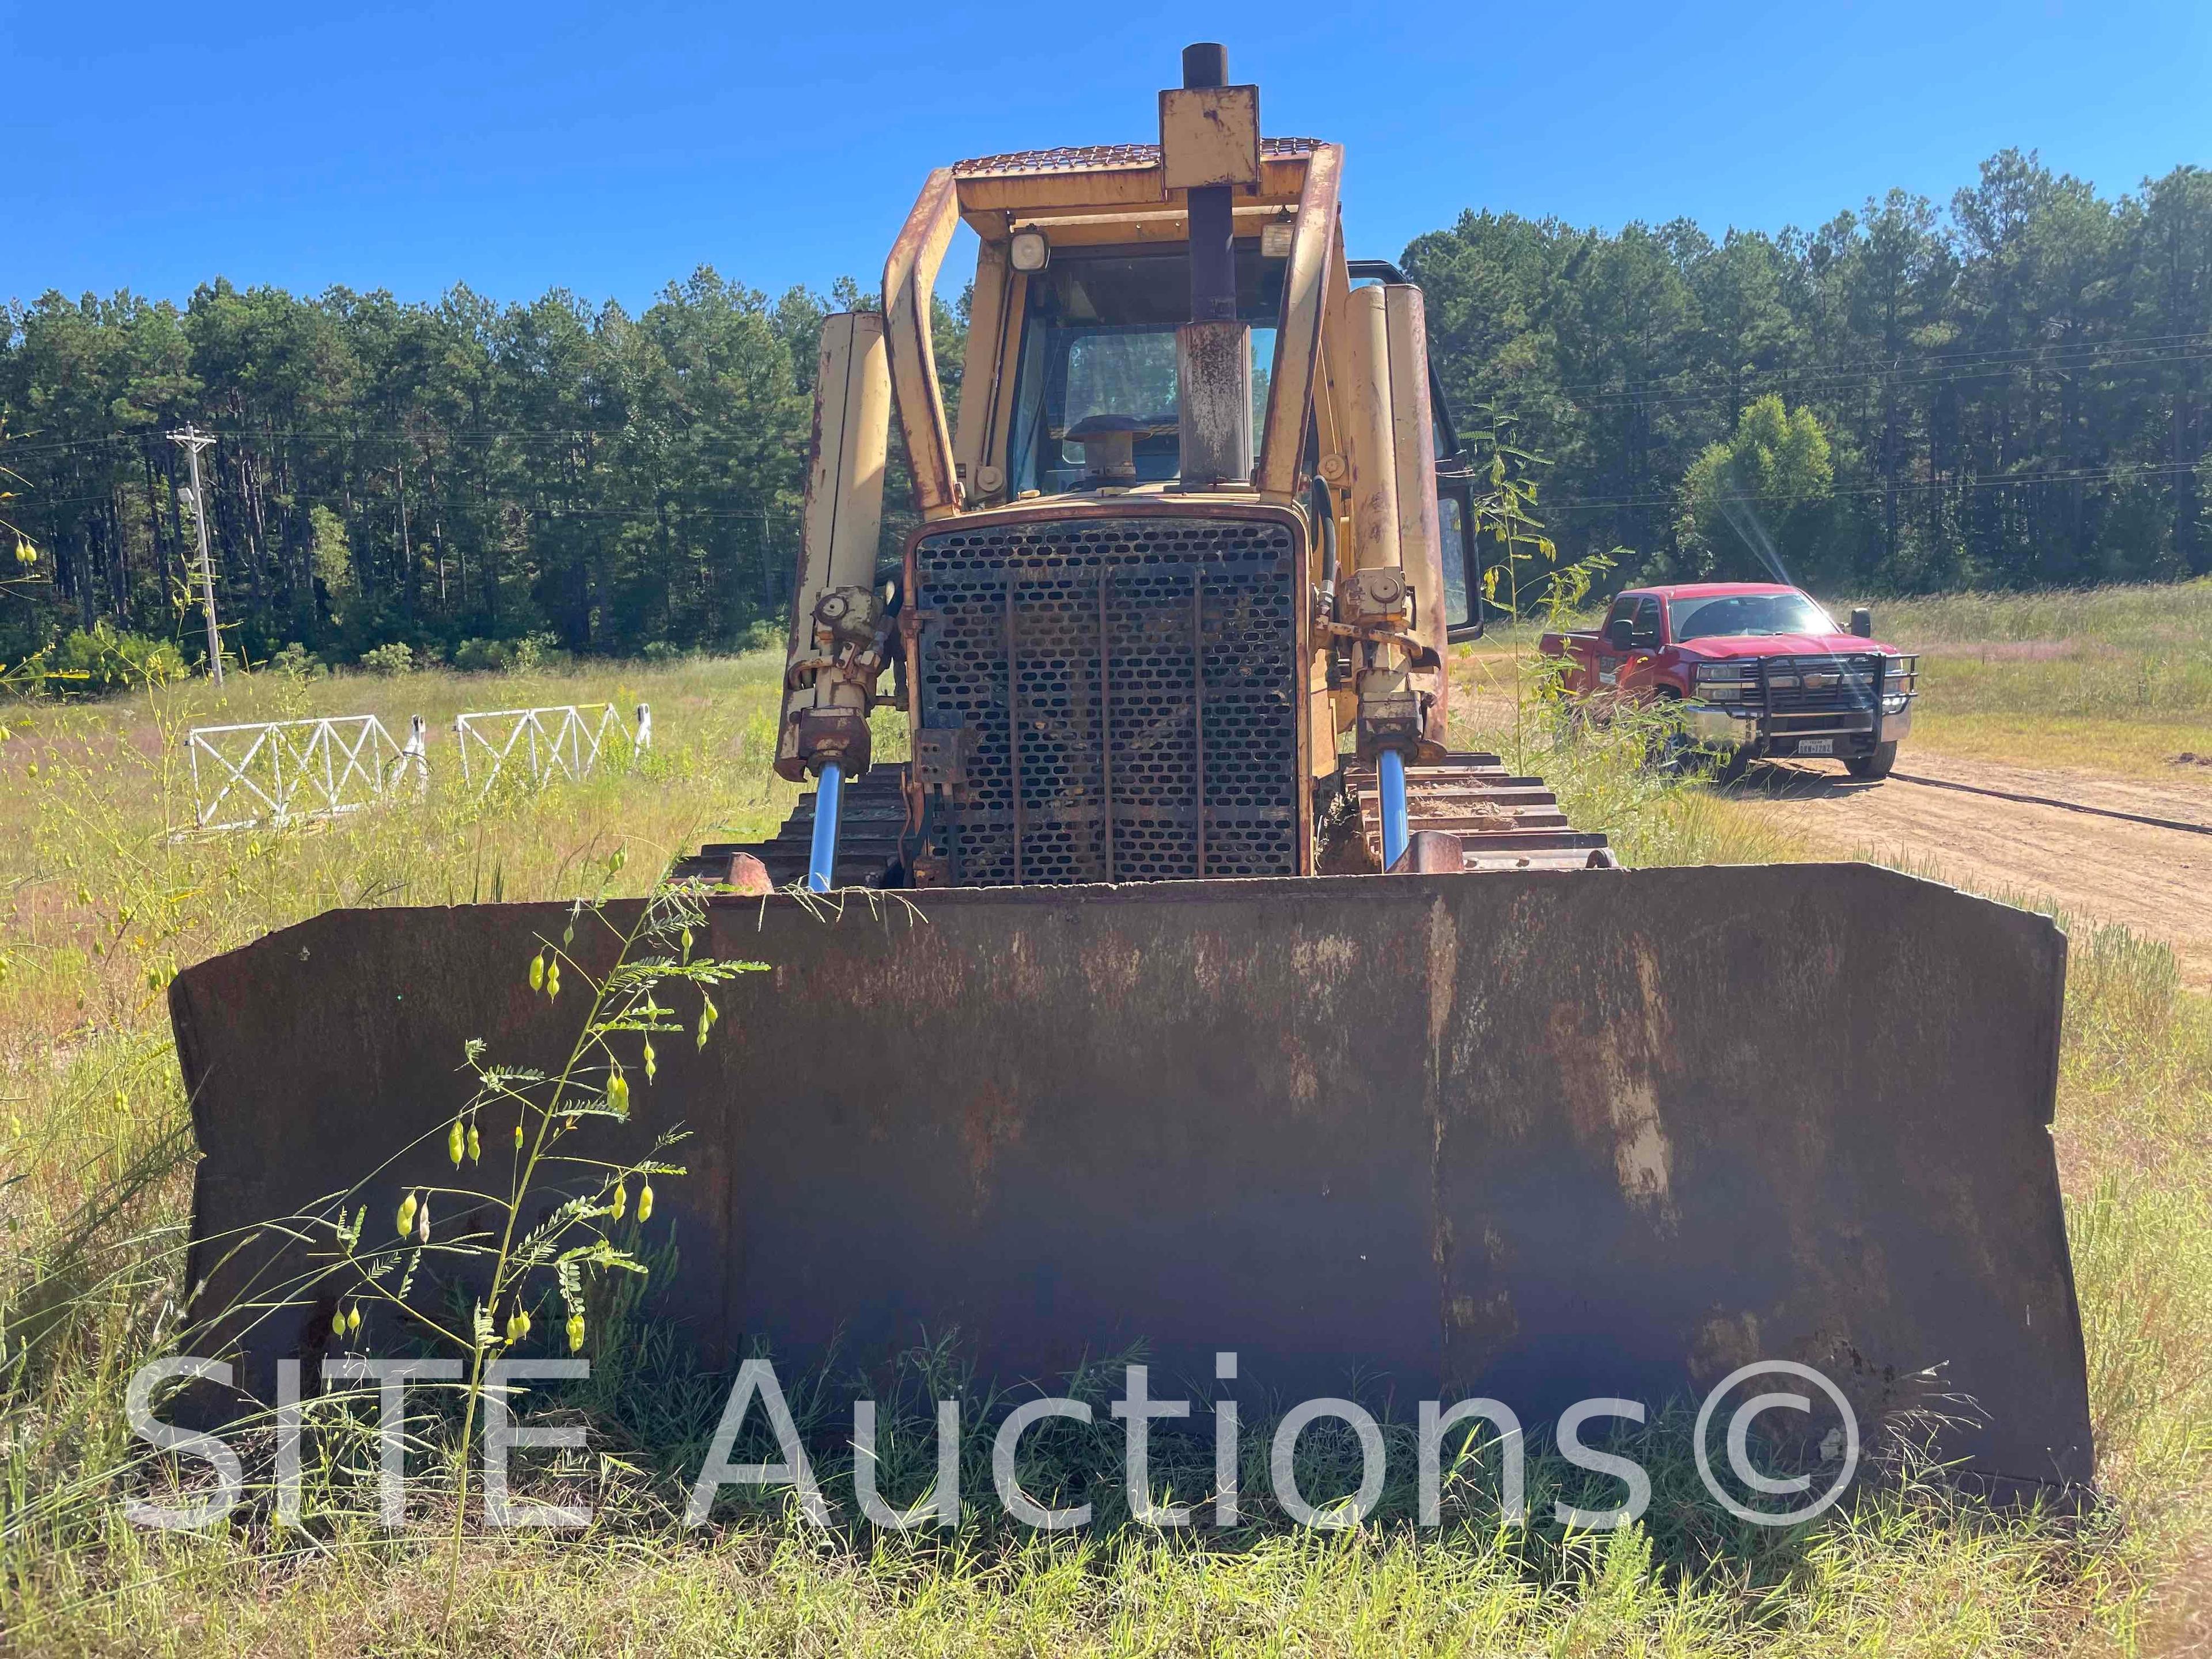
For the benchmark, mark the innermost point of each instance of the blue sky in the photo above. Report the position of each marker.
(609, 149)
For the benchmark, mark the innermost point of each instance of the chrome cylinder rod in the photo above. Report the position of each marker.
(822, 860)
(1391, 770)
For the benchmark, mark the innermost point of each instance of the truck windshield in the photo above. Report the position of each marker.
(1098, 355)
(1749, 613)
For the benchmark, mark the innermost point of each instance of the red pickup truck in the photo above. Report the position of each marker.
(1758, 669)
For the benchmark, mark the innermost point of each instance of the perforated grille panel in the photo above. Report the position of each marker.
(1131, 686)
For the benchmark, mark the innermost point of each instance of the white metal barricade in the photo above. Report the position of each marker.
(277, 771)
(564, 742)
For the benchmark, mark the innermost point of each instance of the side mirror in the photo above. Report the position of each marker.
(1462, 579)
(1619, 633)
(1862, 622)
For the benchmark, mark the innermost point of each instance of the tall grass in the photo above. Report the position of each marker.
(94, 1197)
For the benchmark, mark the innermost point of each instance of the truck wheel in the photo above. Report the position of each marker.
(1875, 767)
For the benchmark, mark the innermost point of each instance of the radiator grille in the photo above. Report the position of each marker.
(1822, 685)
(1131, 687)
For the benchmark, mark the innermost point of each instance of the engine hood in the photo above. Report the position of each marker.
(1730, 646)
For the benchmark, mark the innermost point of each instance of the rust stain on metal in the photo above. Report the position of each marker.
(1491, 1321)
(1726, 1342)
(1443, 974)
(1609, 1061)
(1304, 1077)
(1113, 971)
(1325, 961)
(990, 1123)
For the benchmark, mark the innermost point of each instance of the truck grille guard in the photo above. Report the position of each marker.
(1823, 695)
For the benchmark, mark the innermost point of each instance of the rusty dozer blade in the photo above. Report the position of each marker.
(1536, 1135)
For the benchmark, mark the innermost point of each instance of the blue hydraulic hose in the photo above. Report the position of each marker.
(1393, 772)
(821, 861)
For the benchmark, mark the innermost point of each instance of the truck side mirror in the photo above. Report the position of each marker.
(1462, 579)
(1619, 633)
(1862, 622)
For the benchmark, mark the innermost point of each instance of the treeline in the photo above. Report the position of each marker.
(427, 474)
(2008, 393)
(2013, 391)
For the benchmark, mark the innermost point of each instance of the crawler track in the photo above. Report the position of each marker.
(1503, 822)
(870, 821)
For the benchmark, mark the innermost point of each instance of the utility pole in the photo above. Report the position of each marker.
(191, 440)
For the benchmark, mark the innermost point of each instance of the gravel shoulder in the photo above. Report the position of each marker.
(2155, 880)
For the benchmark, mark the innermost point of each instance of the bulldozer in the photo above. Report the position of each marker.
(1188, 565)
(1183, 988)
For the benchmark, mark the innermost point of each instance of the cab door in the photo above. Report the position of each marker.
(1637, 671)
(1614, 645)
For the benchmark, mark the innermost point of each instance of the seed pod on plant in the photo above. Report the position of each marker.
(352, 1321)
(407, 1206)
(576, 1332)
(537, 972)
(649, 1067)
(457, 1143)
(645, 1202)
(514, 1327)
(620, 1201)
(423, 1221)
(476, 1146)
(518, 1134)
(618, 1093)
(553, 979)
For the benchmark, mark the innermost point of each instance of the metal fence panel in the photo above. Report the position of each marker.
(562, 742)
(280, 771)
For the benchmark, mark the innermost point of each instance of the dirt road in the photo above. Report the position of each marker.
(1952, 819)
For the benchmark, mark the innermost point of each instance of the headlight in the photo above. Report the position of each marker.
(1894, 702)
(1029, 251)
(1729, 692)
(1719, 671)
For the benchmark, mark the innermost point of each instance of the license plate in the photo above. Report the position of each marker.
(1816, 745)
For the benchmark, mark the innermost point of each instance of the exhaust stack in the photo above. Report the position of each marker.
(1209, 150)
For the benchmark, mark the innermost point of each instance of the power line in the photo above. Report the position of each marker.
(1803, 382)
(2018, 354)
(2088, 475)
(1908, 373)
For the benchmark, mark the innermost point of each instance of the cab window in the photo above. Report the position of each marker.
(1099, 357)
